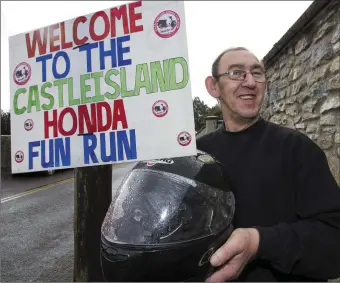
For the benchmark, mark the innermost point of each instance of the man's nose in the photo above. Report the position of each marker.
(249, 81)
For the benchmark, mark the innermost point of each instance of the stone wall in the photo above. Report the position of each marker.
(303, 90)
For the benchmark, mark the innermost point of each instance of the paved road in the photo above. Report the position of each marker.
(37, 232)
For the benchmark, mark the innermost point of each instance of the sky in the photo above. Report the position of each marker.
(212, 26)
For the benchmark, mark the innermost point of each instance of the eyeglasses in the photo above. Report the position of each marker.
(240, 75)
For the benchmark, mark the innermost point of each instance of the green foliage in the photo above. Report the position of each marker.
(201, 111)
(5, 123)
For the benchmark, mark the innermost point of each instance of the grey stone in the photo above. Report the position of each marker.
(312, 128)
(323, 30)
(313, 136)
(325, 141)
(274, 77)
(326, 16)
(318, 73)
(335, 67)
(302, 96)
(318, 90)
(297, 119)
(336, 34)
(329, 130)
(309, 116)
(309, 105)
(330, 103)
(295, 73)
(338, 154)
(283, 83)
(284, 73)
(291, 100)
(292, 110)
(337, 138)
(328, 119)
(279, 107)
(321, 54)
(276, 119)
(300, 126)
(336, 47)
(287, 122)
(302, 44)
(303, 57)
(334, 83)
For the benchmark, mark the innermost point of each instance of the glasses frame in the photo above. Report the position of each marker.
(229, 73)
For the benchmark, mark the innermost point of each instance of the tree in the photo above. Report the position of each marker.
(200, 112)
(216, 111)
(5, 123)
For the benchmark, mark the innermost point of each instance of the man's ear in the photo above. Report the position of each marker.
(212, 87)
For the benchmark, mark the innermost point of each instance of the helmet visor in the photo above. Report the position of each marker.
(155, 207)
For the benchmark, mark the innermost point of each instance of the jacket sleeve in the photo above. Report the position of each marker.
(311, 246)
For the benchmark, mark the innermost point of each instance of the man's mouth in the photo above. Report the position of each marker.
(247, 96)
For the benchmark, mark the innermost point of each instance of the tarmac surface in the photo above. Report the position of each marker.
(37, 243)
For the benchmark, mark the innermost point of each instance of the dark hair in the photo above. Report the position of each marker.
(215, 65)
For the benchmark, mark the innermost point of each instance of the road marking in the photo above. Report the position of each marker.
(31, 191)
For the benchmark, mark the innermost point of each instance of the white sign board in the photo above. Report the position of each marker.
(108, 87)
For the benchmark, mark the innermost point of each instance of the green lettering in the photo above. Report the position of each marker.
(177, 85)
(157, 76)
(60, 84)
(15, 101)
(142, 69)
(125, 92)
(48, 96)
(84, 88)
(97, 97)
(113, 84)
(33, 99)
(71, 99)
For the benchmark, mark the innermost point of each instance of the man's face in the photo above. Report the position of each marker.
(242, 98)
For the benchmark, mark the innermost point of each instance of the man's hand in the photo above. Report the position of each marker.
(240, 248)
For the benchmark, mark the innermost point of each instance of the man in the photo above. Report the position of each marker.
(287, 202)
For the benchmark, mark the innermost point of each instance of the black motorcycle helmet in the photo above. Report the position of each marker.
(168, 217)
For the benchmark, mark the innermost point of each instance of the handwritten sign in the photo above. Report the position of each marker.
(108, 87)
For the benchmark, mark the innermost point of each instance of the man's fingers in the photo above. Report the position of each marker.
(228, 272)
(229, 249)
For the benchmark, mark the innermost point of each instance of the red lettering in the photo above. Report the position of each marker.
(119, 114)
(54, 38)
(85, 117)
(64, 44)
(36, 40)
(52, 123)
(134, 17)
(74, 122)
(93, 34)
(108, 115)
(76, 40)
(117, 13)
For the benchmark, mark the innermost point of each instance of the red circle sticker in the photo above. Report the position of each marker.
(28, 125)
(160, 108)
(167, 24)
(22, 73)
(19, 156)
(184, 138)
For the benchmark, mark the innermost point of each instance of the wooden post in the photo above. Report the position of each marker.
(92, 197)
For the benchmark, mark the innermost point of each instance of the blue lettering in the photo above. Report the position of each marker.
(43, 60)
(31, 153)
(123, 145)
(121, 51)
(89, 149)
(112, 156)
(54, 65)
(50, 163)
(104, 53)
(88, 48)
(62, 152)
